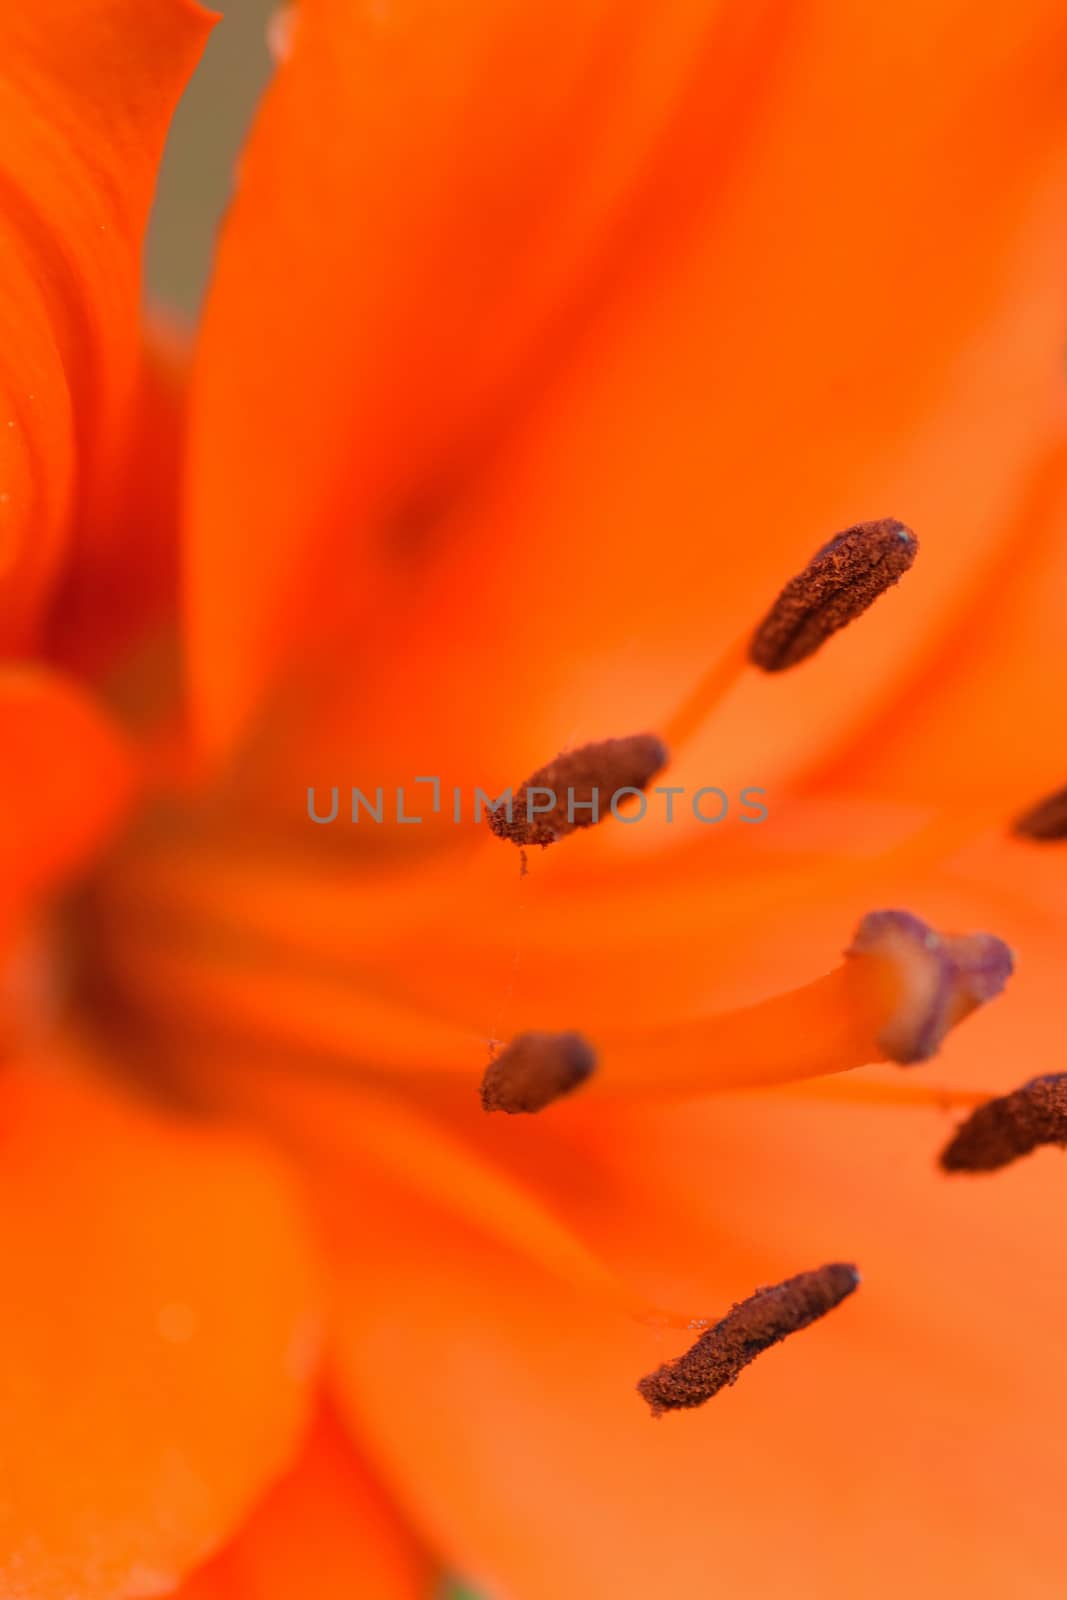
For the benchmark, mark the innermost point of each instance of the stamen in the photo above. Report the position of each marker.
(839, 583)
(535, 1070)
(1047, 821)
(754, 1325)
(578, 788)
(1011, 1126)
(934, 979)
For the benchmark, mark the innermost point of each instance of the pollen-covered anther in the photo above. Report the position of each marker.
(534, 1070)
(1010, 1126)
(838, 584)
(930, 980)
(1046, 821)
(578, 789)
(767, 1317)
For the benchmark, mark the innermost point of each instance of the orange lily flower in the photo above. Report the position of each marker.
(544, 346)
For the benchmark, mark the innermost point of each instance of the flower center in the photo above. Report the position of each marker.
(196, 934)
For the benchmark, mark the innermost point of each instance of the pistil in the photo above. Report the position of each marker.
(900, 989)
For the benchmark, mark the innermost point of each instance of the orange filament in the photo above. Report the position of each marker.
(710, 691)
(904, 1093)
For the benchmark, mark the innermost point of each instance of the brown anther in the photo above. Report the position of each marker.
(1047, 821)
(534, 1070)
(1004, 1129)
(578, 788)
(838, 584)
(764, 1319)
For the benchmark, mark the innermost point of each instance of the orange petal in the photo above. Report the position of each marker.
(704, 438)
(327, 1531)
(913, 1408)
(68, 775)
(431, 202)
(86, 94)
(681, 455)
(335, 1128)
(156, 1362)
